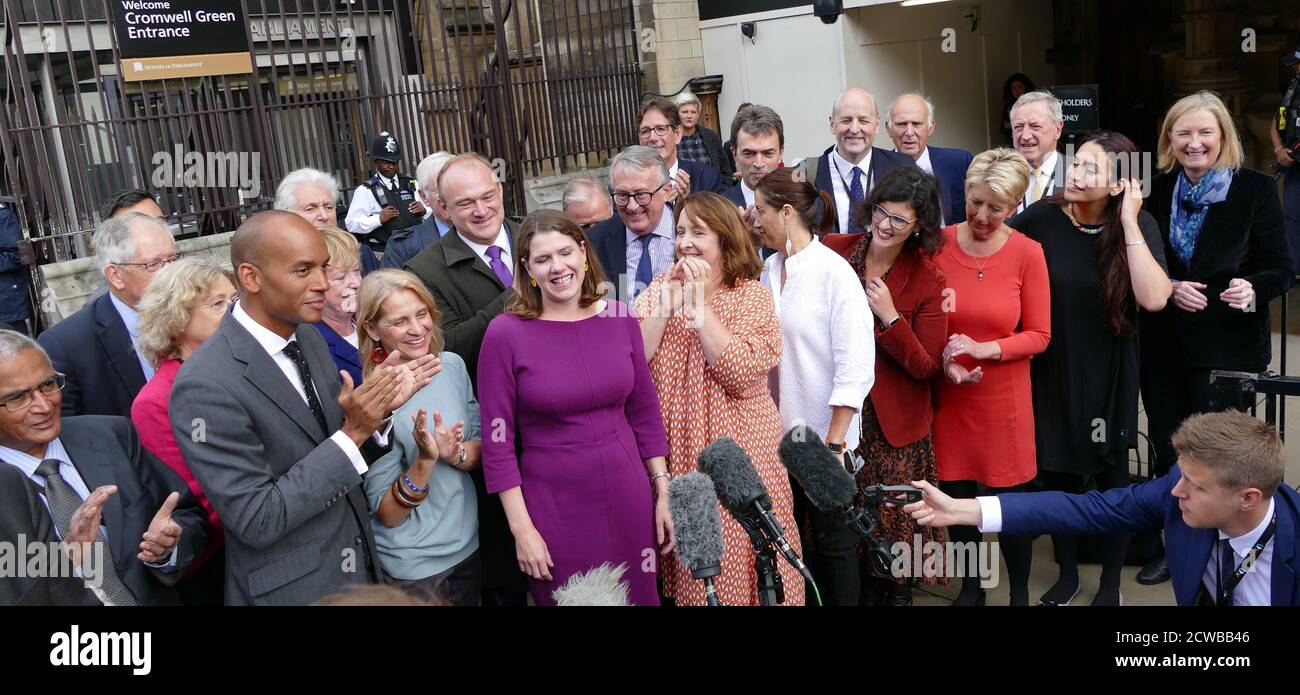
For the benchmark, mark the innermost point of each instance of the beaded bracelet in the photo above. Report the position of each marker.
(414, 488)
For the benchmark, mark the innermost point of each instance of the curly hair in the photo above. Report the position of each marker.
(167, 305)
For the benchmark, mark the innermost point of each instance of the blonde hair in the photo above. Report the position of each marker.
(1003, 170)
(1239, 450)
(1231, 153)
(375, 290)
(168, 303)
(343, 248)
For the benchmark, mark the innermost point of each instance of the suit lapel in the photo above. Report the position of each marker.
(1191, 564)
(458, 252)
(93, 465)
(1283, 566)
(901, 273)
(264, 374)
(117, 344)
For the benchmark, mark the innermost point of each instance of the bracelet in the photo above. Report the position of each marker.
(660, 474)
(400, 497)
(406, 477)
(1135, 243)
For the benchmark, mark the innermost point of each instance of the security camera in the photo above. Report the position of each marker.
(748, 29)
(828, 10)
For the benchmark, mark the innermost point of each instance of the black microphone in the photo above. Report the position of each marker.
(742, 492)
(694, 508)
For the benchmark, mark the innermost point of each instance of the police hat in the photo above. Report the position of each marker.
(386, 147)
(1293, 57)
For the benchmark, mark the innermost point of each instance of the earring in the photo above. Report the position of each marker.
(378, 355)
(532, 281)
(584, 266)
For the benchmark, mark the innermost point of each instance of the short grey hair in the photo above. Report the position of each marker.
(113, 241)
(285, 198)
(426, 173)
(929, 105)
(13, 342)
(639, 158)
(1053, 104)
(687, 97)
(580, 191)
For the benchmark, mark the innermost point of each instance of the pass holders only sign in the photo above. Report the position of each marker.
(167, 39)
(1078, 106)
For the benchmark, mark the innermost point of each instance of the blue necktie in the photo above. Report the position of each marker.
(644, 271)
(856, 195)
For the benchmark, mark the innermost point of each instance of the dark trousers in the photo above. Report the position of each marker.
(829, 552)
(1066, 547)
(1017, 550)
(458, 586)
(1171, 392)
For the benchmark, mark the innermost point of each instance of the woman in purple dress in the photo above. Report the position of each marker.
(573, 440)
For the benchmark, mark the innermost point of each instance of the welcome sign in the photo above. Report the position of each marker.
(168, 39)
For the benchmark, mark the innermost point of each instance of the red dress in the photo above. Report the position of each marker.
(985, 431)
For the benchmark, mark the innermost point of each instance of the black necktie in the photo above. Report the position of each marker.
(304, 373)
(1227, 567)
(63, 500)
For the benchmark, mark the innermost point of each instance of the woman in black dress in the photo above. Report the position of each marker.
(1105, 258)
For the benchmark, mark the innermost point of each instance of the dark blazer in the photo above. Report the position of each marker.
(703, 176)
(345, 356)
(405, 244)
(737, 196)
(107, 451)
(609, 240)
(23, 514)
(1242, 237)
(911, 352)
(297, 526)
(950, 164)
(14, 276)
(94, 350)
(1150, 507)
(882, 162)
(467, 292)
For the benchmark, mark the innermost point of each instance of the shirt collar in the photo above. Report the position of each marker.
(27, 463)
(747, 192)
(664, 229)
(129, 316)
(272, 343)
(1049, 164)
(846, 169)
(502, 240)
(924, 161)
(672, 170)
(1243, 543)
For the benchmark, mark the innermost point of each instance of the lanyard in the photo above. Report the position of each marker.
(1225, 592)
(847, 194)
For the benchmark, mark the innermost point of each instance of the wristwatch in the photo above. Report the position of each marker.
(835, 447)
(896, 319)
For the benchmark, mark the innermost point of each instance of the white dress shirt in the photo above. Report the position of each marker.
(1047, 178)
(828, 353)
(1255, 588)
(502, 240)
(131, 319)
(747, 192)
(363, 211)
(274, 346)
(842, 179)
(663, 247)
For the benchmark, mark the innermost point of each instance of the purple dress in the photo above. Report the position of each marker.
(576, 401)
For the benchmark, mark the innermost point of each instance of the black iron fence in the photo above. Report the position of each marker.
(541, 86)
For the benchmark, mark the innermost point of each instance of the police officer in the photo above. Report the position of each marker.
(386, 202)
(1286, 147)
(14, 272)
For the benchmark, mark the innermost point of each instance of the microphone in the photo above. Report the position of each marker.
(599, 586)
(742, 492)
(694, 508)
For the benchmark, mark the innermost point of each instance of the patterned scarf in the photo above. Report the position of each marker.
(1191, 202)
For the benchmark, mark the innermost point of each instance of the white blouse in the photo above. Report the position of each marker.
(828, 354)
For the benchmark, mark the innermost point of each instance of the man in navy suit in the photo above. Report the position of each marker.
(638, 243)
(758, 135)
(1228, 517)
(911, 123)
(850, 168)
(660, 127)
(95, 347)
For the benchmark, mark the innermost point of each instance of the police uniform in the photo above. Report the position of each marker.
(1288, 125)
(371, 197)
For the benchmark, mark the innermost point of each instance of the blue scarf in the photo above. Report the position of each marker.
(1191, 202)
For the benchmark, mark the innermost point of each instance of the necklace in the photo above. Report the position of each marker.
(1089, 229)
(979, 260)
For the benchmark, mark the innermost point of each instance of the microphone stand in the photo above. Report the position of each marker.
(771, 588)
(710, 591)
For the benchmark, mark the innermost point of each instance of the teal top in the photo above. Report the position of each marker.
(443, 531)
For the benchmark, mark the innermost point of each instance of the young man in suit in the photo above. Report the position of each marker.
(95, 347)
(151, 527)
(849, 169)
(638, 243)
(277, 449)
(911, 123)
(1230, 521)
(660, 127)
(1036, 127)
(759, 137)
(470, 273)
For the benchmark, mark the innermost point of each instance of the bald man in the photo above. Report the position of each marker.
(850, 168)
(272, 431)
(910, 124)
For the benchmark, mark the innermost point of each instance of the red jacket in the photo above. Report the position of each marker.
(911, 352)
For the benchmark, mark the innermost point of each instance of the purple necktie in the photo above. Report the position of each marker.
(498, 267)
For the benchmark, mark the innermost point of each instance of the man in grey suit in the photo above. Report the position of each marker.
(271, 433)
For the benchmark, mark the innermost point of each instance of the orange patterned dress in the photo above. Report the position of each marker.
(702, 403)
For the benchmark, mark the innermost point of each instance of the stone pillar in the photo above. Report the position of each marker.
(676, 53)
(1212, 57)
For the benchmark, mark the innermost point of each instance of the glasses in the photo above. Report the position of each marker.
(898, 222)
(643, 198)
(660, 130)
(15, 402)
(154, 265)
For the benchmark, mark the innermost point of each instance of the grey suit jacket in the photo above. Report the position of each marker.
(297, 527)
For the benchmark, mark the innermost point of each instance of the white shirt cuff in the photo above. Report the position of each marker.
(168, 566)
(349, 447)
(991, 513)
(381, 436)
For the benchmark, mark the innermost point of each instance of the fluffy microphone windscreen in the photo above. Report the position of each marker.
(733, 474)
(694, 507)
(599, 586)
(818, 470)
